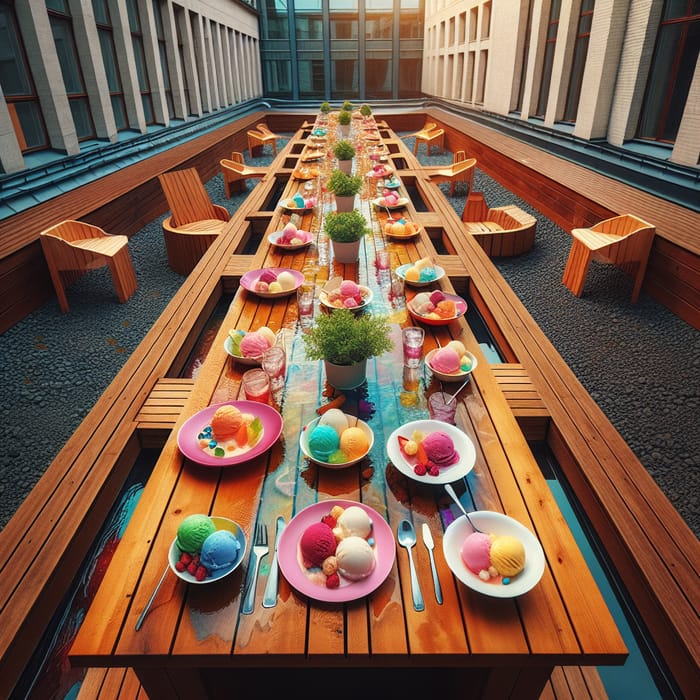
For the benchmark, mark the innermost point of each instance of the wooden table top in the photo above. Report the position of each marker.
(562, 620)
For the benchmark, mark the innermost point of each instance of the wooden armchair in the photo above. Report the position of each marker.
(430, 135)
(501, 231)
(461, 170)
(624, 241)
(71, 248)
(236, 173)
(259, 137)
(194, 223)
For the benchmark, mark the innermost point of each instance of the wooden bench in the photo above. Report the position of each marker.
(161, 409)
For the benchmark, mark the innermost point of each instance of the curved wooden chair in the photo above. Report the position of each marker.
(501, 231)
(71, 248)
(461, 170)
(236, 173)
(430, 135)
(259, 137)
(194, 222)
(624, 241)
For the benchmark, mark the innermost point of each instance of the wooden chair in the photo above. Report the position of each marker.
(501, 231)
(624, 241)
(461, 170)
(236, 173)
(71, 248)
(259, 137)
(430, 135)
(194, 222)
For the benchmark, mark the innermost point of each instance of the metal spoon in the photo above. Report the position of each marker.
(407, 539)
(453, 496)
(144, 612)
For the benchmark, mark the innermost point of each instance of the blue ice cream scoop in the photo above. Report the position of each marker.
(323, 442)
(219, 550)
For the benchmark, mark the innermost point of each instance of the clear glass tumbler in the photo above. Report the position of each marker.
(413, 337)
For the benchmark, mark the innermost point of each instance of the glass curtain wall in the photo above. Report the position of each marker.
(341, 49)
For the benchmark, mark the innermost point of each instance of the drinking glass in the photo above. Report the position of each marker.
(442, 407)
(274, 363)
(306, 293)
(413, 337)
(256, 385)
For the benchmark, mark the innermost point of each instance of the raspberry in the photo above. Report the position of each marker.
(434, 470)
(185, 558)
(201, 573)
(329, 520)
(192, 568)
(420, 469)
(333, 581)
(180, 565)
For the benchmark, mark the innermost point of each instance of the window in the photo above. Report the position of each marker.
(579, 63)
(140, 59)
(109, 57)
(550, 45)
(62, 29)
(163, 54)
(18, 86)
(671, 72)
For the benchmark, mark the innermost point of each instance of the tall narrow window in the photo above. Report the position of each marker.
(525, 54)
(675, 56)
(579, 63)
(140, 58)
(163, 54)
(62, 29)
(17, 84)
(179, 22)
(552, 29)
(105, 31)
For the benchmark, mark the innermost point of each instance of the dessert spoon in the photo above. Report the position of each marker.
(407, 539)
(453, 496)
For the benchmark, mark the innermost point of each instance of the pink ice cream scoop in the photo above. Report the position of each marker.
(445, 360)
(268, 276)
(253, 344)
(317, 543)
(476, 552)
(437, 296)
(348, 288)
(440, 448)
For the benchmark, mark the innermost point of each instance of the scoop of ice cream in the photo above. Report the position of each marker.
(355, 558)
(275, 287)
(353, 521)
(317, 543)
(226, 422)
(268, 334)
(445, 360)
(423, 262)
(254, 344)
(267, 276)
(348, 288)
(323, 441)
(354, 442)
(428, 274)
(335, 418)
(412, 274)
(457, 346)
(507, 555)
(440, 449)
(286, 280)
(476, 552)
(192, 532)
(219, 550)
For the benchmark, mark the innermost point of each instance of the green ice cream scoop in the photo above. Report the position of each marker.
(193, 530)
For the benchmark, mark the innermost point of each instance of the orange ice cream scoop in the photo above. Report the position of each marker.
(226, 422)
(354, 442)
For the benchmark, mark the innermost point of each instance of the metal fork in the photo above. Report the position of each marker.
(260, 549)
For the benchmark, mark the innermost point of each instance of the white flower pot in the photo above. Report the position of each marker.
(346, 376)
(346, 252)
(343, 203)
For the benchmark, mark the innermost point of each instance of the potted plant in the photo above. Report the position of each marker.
(344, 119)
(325, 107)
(347, 106)
(344, 187)
(344, 151)
(345, 230)
(345, 342)
(365, 110)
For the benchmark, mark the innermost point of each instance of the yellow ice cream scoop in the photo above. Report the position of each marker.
(354, 442)
(507, 555)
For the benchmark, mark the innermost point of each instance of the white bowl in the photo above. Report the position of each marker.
(304, 443)
(252, 361)
(498, 524)
(367, 296)
(221, 524)
(401, 272)
(459, 376)
(400, 204)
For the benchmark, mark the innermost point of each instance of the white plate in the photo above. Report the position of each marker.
(367, 296)
(221, 524)
(449, 377)
(252, 361)
(274, 238)
(499, 524)
(401, 272)
(304, 443)
(462, 442)
(402, 203)
(290, 205)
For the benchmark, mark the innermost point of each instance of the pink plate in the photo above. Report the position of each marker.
(189, 446)
(249, 278)
(295, 573)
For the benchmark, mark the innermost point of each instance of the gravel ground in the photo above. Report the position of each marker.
(639, 362)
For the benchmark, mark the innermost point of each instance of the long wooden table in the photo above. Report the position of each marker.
(195, 642)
